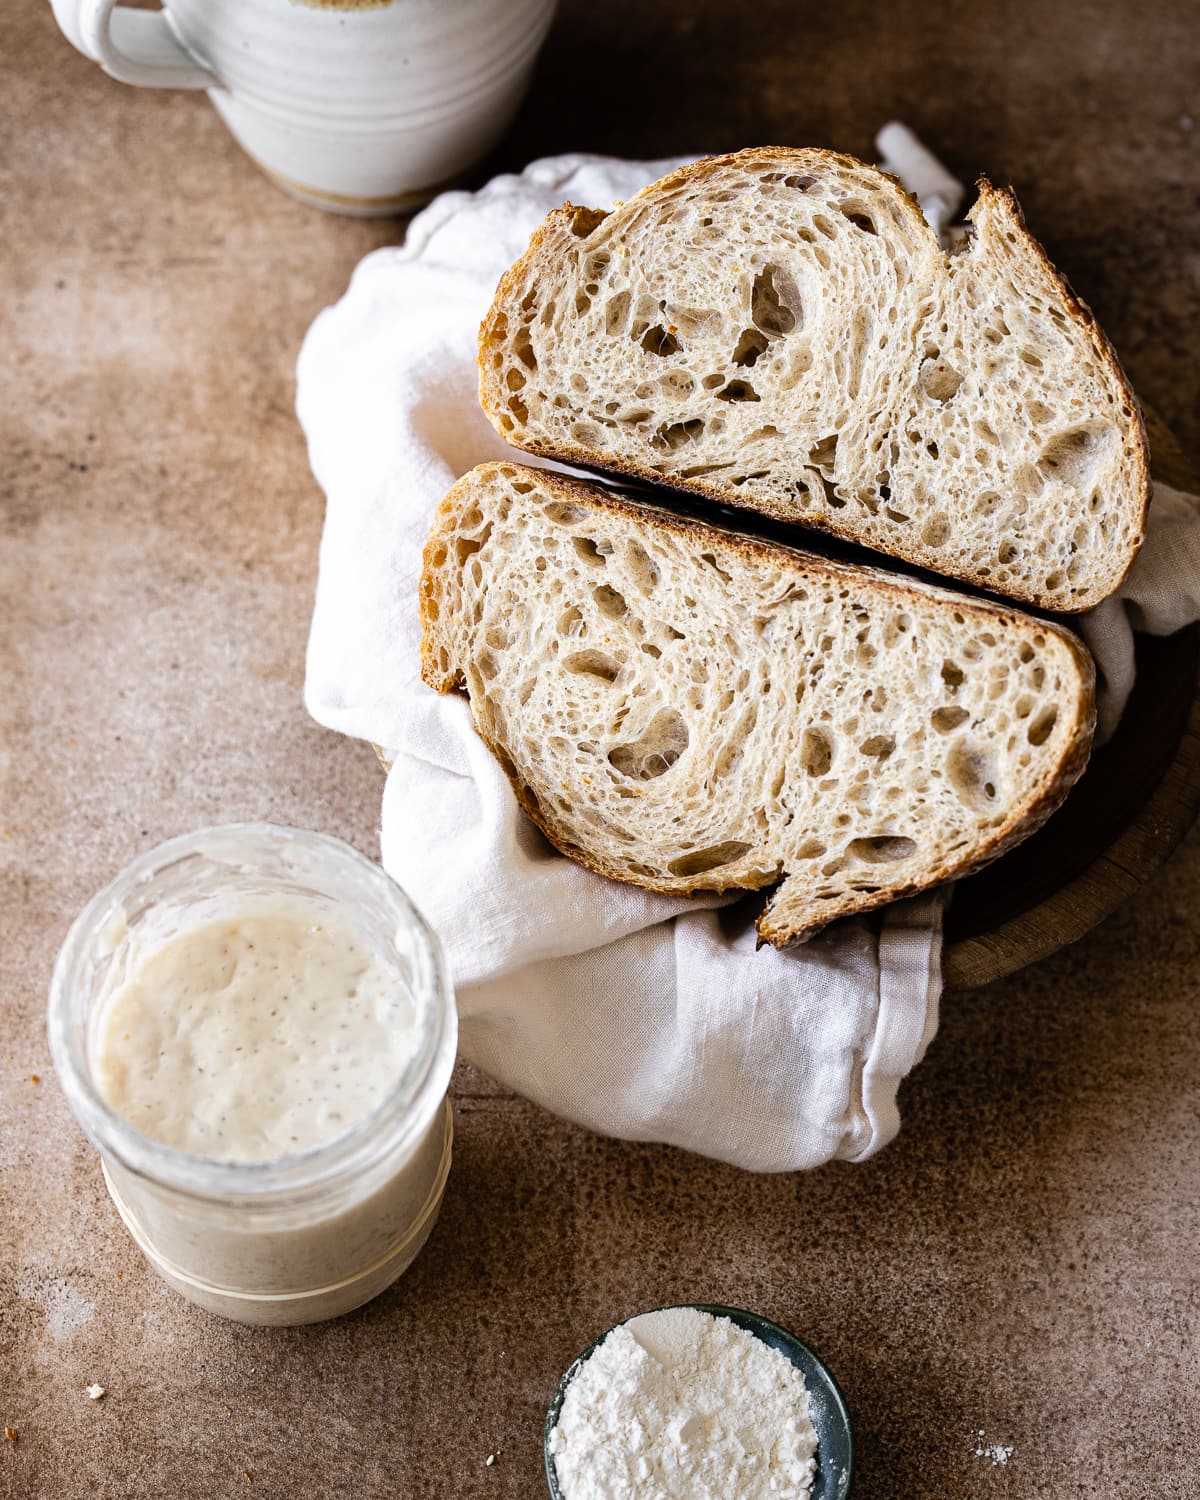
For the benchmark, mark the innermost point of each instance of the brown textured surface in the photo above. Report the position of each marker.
(1022, 1260)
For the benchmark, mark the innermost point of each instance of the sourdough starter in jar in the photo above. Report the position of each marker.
(255, 1028)
(257, 1036)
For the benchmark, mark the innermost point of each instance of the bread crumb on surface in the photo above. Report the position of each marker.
(95, 1391)
(489, 1460)
(35, 1078)
(10, 1434)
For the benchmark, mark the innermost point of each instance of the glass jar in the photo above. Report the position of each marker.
(306, 1236)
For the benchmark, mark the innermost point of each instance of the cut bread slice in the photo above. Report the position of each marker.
(781, 330)
(691, 709)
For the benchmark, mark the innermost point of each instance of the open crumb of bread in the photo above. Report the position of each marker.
(691, 709)
(781, 330)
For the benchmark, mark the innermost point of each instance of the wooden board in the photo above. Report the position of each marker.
(1137, 799)
(1129, 810)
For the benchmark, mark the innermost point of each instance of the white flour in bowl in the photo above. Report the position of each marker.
(686, 1406)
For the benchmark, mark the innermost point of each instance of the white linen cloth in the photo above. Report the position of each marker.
(638, 1015)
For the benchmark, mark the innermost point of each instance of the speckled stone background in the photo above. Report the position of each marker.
(1022, 1268)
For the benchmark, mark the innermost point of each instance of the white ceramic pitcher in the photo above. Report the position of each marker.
(357, 106)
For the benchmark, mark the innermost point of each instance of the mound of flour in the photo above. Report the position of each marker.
(682, 1405)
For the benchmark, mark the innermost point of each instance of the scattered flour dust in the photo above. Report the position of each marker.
(999, 1453)
(683, 1405)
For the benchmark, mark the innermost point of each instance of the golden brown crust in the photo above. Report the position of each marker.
(491, 395)
(1046, 796)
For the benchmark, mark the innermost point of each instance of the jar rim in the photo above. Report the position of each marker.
(382, 1132)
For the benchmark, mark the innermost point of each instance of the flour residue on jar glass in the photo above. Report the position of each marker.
(253, 1036)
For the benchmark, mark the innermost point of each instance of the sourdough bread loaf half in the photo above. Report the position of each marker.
(691, 709)
(781, 330)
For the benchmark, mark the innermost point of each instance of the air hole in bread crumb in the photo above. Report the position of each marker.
(810, 849)
(591, 552)
(952, 674)
(883, 848)
(710, 559)
(939, 380)
(824, 452)
(571, 622)
(675, 435)
(738, 390)
(559, 511)
(749, 346)
(658, 749)
(948, 718)
(523, 349)
(616, 313)
(678, 383)
(971, 774)
(700, 861)
(775, 305)
(592, 664)
(1040, 729)
(878, 747)
(465, 548)
(858, 216)
(1075, 456)
(609, 602)
(936, 531)
(816, 752)
(658, 340)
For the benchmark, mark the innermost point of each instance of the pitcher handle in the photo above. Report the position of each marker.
(140, 47)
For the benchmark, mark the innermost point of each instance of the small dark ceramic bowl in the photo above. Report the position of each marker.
(827, 1408)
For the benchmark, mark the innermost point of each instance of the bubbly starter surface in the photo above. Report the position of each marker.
(253, 1037)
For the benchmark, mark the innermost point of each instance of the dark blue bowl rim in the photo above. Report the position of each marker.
(751, 1323)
